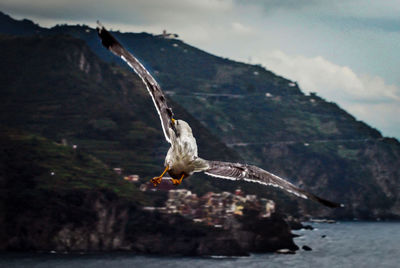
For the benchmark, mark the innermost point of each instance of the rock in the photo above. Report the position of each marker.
(260, 235)
(323, 221)
(224, 246)
(296, 224)
(306, 248)
(308, 227)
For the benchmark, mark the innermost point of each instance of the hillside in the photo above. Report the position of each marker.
(264, 117)
(48, 186)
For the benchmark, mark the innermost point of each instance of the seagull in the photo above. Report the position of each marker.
(182, 159)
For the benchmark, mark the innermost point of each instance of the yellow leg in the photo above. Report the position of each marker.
(177, 182)
(173, 121)
(157, 180)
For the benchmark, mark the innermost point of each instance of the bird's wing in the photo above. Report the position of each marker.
(152, 86)
(236, 171)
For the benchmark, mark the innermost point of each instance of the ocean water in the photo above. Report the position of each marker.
(344, 244)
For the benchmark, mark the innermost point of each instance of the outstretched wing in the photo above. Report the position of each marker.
(236, 171)
(152, 86)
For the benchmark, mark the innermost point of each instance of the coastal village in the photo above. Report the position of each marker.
(213, 209)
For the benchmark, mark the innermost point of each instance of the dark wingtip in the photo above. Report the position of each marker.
(106, 38)
(327, 202)
(99, 25)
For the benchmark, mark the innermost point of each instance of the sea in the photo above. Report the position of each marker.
(342, 244)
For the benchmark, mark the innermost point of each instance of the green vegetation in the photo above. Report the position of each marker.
(34, 164)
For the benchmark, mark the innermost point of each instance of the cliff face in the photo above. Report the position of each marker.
(107, 232)
(97, 228)
(241, 238)
(118, 226)
(51, 193)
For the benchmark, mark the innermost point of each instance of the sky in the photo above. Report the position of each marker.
(347, 51)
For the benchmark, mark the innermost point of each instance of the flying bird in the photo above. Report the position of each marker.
(182, 160)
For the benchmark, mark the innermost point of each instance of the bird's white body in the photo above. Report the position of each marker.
(182, 156)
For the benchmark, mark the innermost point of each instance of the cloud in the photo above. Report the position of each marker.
(121, 11)
(270, 5)
(383, 116)
(369, 98)
(195, 21)
(329, 79)
(349, 8)
(241, 29)
(382, 24)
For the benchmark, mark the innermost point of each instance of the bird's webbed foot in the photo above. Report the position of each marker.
(157, 180)
(177, 182)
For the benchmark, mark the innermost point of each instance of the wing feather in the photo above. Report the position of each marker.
(164, 111)
(237, 171)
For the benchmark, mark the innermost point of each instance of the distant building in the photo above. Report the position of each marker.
(118, 170)
(268, 207)
(165, 185)
(238, 191)
(251, 198)
(238, 210)
(215, 209)
(143, 187)
(167, 35)
(132, 178)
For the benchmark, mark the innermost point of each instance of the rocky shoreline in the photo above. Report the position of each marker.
(103, 222)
